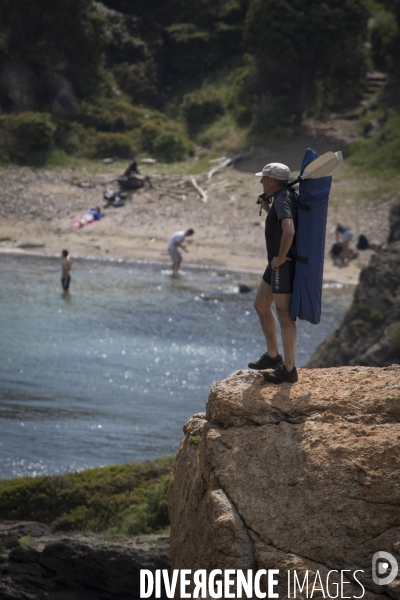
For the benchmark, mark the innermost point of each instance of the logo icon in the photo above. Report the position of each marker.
(384, 568)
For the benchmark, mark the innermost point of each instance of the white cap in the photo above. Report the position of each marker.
(275, 170)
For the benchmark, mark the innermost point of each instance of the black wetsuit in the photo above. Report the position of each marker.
(281, 279)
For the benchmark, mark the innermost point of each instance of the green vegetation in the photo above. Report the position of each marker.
(127, 499)
(380, 154)
(361, 318)
(376, 317)
(195, 440)
(320, 50)
(26, 541)
(359, 328)
(96, 79)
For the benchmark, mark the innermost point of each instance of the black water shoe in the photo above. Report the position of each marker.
(266, 362)
(281, 374)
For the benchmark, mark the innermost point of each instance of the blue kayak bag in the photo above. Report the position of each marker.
(310, 245)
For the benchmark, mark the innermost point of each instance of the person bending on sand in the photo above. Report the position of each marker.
(346, 234)
(174, 243)
(65, 269)
(277, 282)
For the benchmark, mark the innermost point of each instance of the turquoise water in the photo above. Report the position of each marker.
(111, 373)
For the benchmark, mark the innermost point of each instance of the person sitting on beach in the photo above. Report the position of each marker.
(174, 243)
(94, 214)
(65, 269)
(132, 169)
(346, 234)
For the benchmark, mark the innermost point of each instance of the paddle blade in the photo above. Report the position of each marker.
(322, 166)
(340, 165)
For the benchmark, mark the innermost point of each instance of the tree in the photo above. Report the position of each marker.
(385, 36)
(296, 42)
(65, 36)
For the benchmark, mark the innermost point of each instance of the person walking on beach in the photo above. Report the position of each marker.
(277, 282)
(65, 269)
(174, 243)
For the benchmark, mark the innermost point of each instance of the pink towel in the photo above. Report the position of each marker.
(75, 222)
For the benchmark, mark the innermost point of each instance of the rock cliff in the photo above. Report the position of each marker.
(370, 332)
(302, 476)
(36, 564)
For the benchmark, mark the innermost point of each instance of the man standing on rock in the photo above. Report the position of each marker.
(277, 282)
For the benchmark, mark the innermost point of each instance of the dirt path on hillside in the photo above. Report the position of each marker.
(37, 207)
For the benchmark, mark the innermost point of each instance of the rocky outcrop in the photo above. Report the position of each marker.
(302, 476)
(57, 90)
(370, 332)
(25, 90)
(20, 85)
(36, 564)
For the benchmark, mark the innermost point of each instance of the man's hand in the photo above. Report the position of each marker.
(286, 242)
(265, 205)
(277, 262)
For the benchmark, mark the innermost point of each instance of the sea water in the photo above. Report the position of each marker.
(111, 372)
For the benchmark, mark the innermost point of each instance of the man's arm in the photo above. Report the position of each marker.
(286, 242)
(180, 244)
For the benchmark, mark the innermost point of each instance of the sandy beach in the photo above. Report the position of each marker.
(38, 206)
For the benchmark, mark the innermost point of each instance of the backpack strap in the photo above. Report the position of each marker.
(306, 208)
(300, 205)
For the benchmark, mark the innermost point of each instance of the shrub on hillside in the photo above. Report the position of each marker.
(138, 80)
(26, 138)
(383, 149)
(170, 147)
(103, 145)
(148, 132)
(164, 140)
(201, 108)
(110, 115)
(96, 499)
(152, 515)
(70, 136)
(223, 135)
(33, 130)
(269, 119)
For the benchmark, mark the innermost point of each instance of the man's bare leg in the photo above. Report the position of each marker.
(346, 252)
(263, 306)
(283, 303)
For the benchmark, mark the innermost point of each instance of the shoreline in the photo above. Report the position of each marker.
(329, 279)
(39, 207)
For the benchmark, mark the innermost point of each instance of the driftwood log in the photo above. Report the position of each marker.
(227, 161)
(202, 193)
